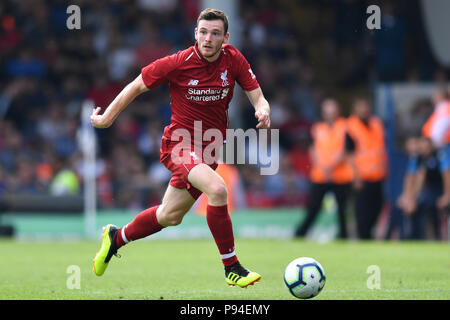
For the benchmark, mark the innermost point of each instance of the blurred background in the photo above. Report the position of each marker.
(300, 51)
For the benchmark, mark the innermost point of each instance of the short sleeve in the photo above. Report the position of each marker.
(156, 73)
(439, 130)
(413, 165)
(245, 76)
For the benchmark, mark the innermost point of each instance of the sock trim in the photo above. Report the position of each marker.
(124, 238)
(228, 255)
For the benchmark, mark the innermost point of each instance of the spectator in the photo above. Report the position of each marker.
(427, 187)
(390, 44)
(405, 203)
(331, 170)
(65, 181)
(369, 162)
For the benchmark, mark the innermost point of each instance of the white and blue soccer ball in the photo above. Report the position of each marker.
(304, 277)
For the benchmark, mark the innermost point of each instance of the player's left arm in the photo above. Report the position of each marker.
(262, 108)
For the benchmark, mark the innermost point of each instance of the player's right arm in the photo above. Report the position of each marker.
(151, 76)
(125, 97)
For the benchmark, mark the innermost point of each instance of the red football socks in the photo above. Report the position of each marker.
(142, 226)
(218, 220)
(219, 223)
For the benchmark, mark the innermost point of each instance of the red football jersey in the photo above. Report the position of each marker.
(200, 90)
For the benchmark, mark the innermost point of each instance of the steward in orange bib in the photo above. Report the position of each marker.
(330, 171)
(369, 161)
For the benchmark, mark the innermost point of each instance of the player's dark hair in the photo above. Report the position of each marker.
(214, 14)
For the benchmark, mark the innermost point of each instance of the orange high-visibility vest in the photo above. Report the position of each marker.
(329, 145)
(441, 111)
(370, 151)
(230, 175)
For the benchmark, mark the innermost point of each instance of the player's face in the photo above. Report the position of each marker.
(362, 109)
(412, 146)
(425, 146)
(330, 110)
(210, 35)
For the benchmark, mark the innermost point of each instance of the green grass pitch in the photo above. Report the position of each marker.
(191, 269)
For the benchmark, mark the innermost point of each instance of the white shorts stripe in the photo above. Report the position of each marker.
(227, 255)
(124, 238)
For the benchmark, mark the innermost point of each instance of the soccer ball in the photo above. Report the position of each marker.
(304, 278)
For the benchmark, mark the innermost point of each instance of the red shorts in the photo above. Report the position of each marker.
(180, 164)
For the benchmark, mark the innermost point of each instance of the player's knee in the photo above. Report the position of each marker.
(170, 217)
(218, 192)
(174, 220)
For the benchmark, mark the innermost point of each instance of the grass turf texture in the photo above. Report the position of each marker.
(191, 269)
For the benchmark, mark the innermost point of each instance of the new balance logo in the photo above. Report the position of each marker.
(193, 82)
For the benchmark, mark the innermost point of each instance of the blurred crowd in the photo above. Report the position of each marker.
(300, 51)
(350, 161)
(423, 206)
